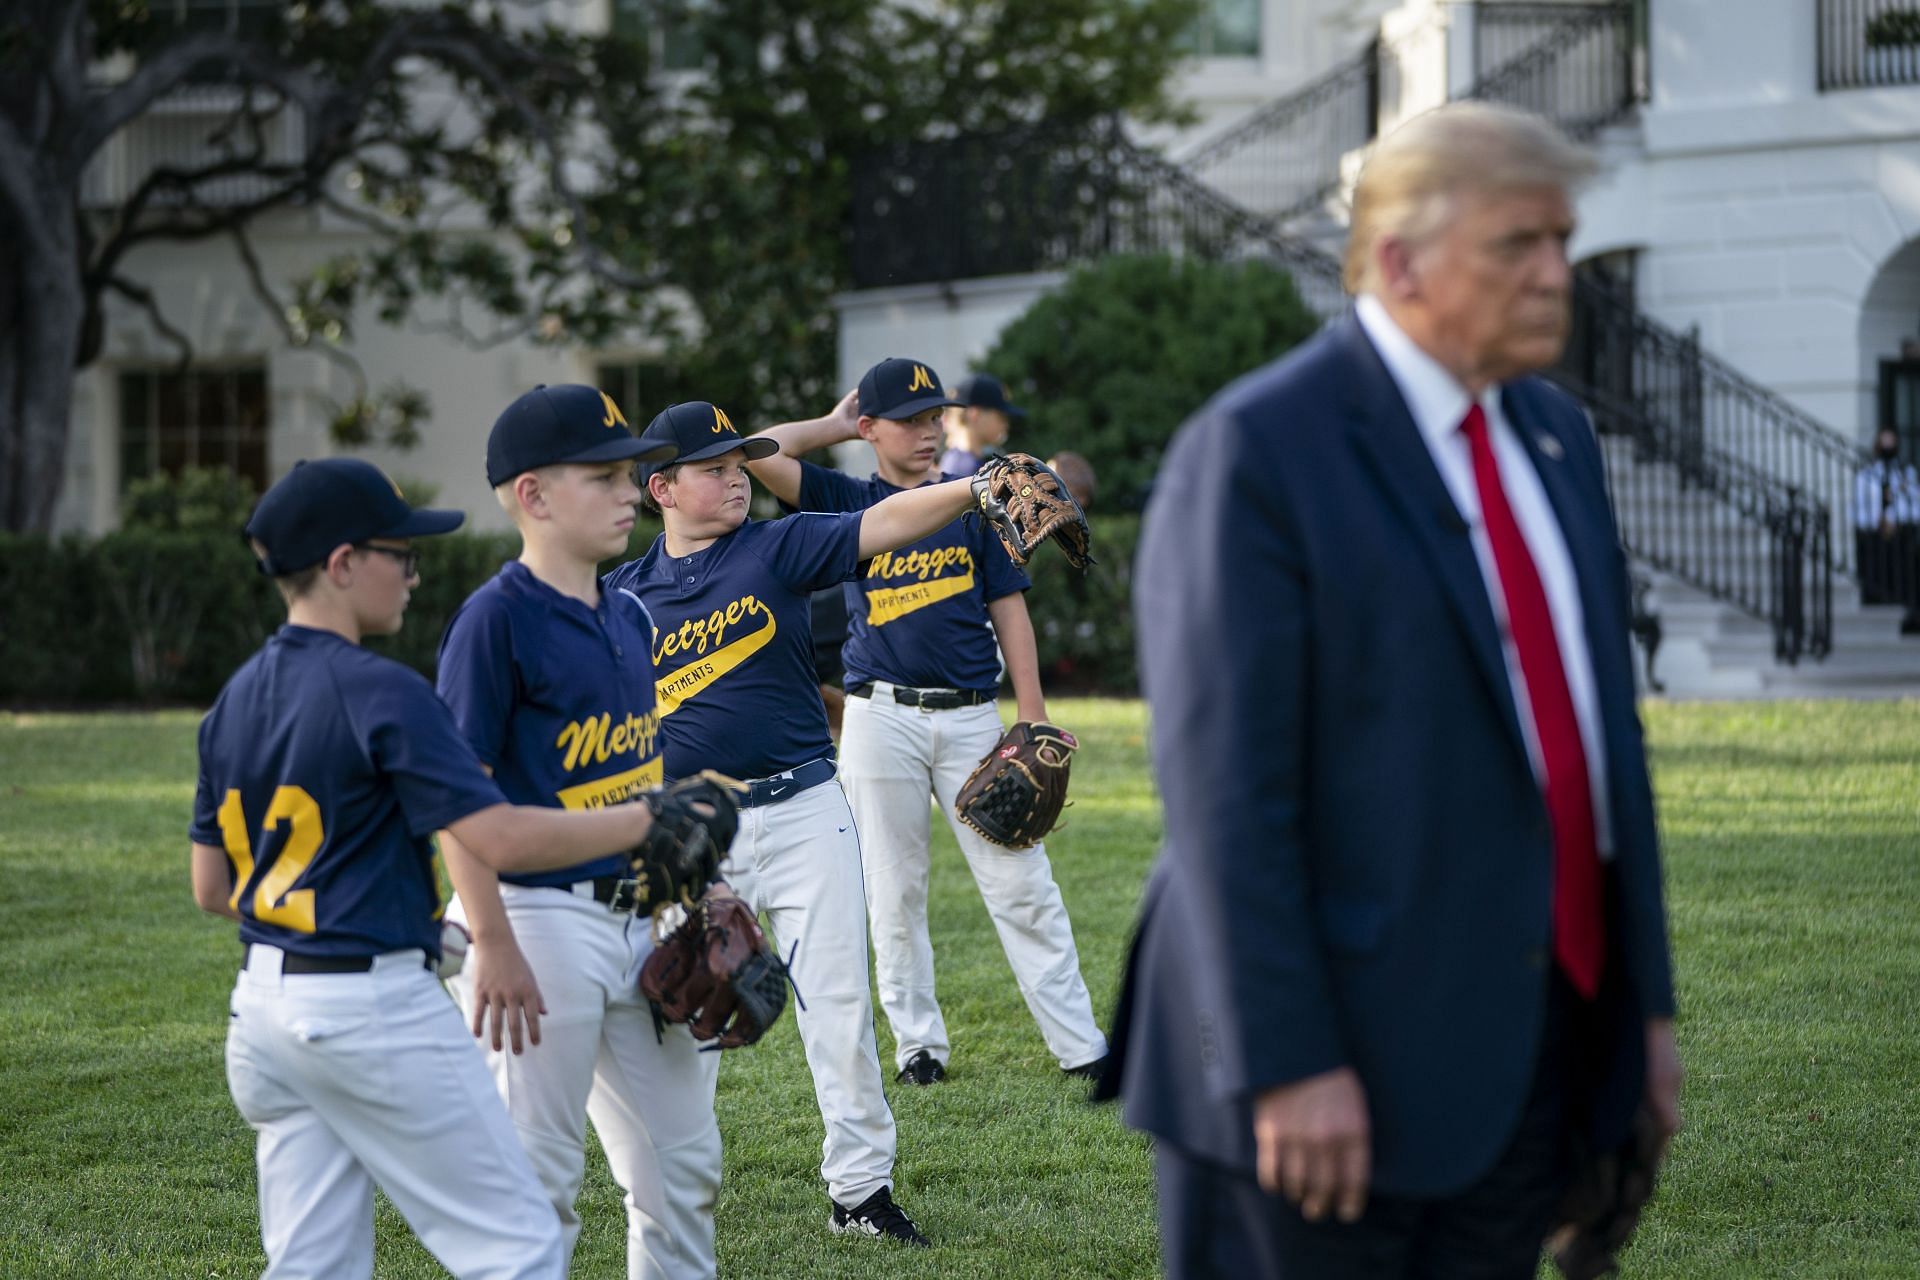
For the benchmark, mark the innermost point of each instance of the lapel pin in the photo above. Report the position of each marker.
(1550, 447)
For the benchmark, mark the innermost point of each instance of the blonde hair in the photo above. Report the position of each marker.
(1409, 183)
(291, 585)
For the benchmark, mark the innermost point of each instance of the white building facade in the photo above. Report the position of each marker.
(1764, 190)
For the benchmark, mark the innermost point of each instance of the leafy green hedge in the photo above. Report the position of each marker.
(1114, 360)
(160, 616)
(146, 616)
(1084, 622)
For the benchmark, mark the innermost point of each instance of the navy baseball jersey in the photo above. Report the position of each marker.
(556, 697)
(918, 616)
(733, 642)
(324, 772)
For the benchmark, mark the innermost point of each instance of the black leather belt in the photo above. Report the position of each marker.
(292, 963)
(784, 786)
(929, 699)
(615, 893)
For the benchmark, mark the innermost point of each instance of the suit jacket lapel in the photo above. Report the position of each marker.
(1384, 433)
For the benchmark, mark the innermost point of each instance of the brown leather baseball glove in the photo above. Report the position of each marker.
(1026, 503)
(717, 974)
(1015, 795)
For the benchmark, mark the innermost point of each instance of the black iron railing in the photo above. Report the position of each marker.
(1041, 200)
(1582, 74)
(1716, 478)
(1863, 44)
(1580, 65)
(1284, 159)
(1690, 500)
(1626, 363)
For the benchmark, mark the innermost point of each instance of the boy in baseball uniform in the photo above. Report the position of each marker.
(922, 675)
(733, 653)
(324, 772)
(548, 678)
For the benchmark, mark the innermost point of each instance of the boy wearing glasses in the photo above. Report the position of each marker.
(324, 772)
(549, 679)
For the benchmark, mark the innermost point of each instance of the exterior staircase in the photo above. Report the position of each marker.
(1709, 649)
(1731, 501)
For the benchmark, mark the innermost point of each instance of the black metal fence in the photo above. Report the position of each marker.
(1751, 515)
(1582, 65)
(1284, 159)
(1043, 199)
(1866, 43)
(1583, 73)
(1715, 478)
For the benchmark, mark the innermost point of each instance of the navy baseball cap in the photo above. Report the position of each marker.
(898, 388)
(319, 505)
(983, 391)
(695, 430)
(551, 425)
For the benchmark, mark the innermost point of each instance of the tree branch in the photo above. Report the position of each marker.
(165, 70)
(257, 278)
(593, 257)
(143, 296)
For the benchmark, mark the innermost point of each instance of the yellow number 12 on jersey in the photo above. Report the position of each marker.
(295, 811)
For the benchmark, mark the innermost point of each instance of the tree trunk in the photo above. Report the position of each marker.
(41, 309)
(42, 306)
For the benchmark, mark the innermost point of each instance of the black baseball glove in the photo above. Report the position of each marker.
(694, 822)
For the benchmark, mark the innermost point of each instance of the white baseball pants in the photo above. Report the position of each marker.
(651, 1100)
(798, 862)
(357, 1079)
(891, 758)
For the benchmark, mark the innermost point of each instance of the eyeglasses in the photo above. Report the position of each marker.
(408, 558)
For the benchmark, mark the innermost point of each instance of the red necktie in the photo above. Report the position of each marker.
(1579, 937)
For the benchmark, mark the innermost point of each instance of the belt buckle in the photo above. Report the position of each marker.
(626, 898)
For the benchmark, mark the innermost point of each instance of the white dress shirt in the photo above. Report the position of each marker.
(1439, 404)
(1892, 485)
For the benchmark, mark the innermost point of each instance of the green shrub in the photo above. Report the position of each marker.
(52, 638)
(1114, 360)
(198, 499)
(182, 610)
(1083, 623)
(166, 615)
(152, 616)
(1893, 29)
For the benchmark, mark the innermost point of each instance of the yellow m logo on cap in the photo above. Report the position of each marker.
(720, 420)
(613, 412)
(922, 380)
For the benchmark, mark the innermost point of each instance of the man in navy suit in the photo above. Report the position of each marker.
(1404, 954)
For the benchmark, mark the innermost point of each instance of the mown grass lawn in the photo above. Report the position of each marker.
(1793, 847)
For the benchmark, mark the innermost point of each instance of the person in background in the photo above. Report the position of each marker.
(1886, 529)
(977, 426)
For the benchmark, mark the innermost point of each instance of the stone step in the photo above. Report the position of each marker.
(1712, 650)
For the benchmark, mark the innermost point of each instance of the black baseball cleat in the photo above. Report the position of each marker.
(878, 1215)
(1089, 1070)
(922, 1068)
